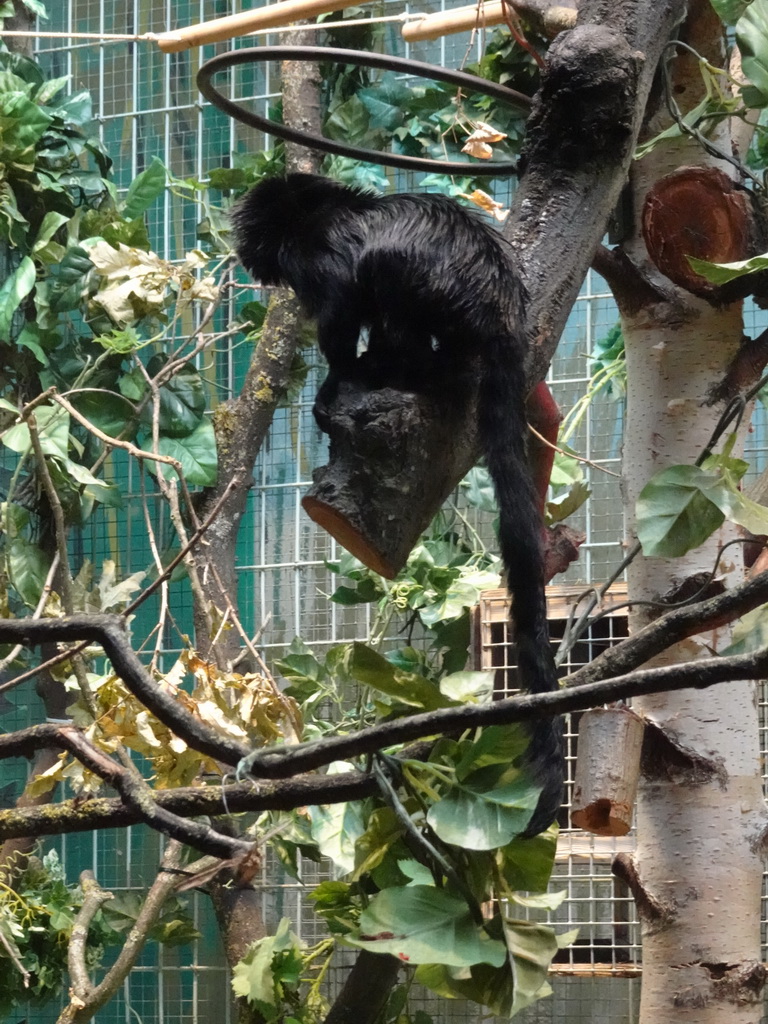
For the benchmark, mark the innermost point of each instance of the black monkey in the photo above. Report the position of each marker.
(436, 290)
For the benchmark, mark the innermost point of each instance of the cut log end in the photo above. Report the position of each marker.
(603, 817)
(351, 537)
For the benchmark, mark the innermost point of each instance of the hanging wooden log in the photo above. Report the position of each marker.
(235, 25)
(550, 21)
(607, 771)
(395, 456)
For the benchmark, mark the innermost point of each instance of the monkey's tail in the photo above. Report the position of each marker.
(503, 429)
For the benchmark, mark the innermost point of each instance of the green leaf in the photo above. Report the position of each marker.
(107, 494)
(479, 490)
(182, 400)
(36, 7)
(121, 341)
(420, 924)
(144, 190)
(729, 11)
(348, 121)
(692, 118)
(678, 509)
(52, 426)
(51, 223)
(253, 978)
(564, 505)
(110, 412)
(74, 280)
(196, 453)
(526, 864)
(750, 633)
(22, 123)
(752, 39)
(496, 745)
(532, 948)
(721, 273)
(27, 569)
(336, 827)
(468, 687)
(383, 114)
(382, 831)
(478, 820)
(369, 667)
(15, 289)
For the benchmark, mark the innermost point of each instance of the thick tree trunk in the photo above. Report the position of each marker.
(698, 859)
(698, 870)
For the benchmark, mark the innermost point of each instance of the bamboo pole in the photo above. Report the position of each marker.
(234, 25)
(461, 19)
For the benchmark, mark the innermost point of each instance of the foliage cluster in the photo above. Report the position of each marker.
(36, 919)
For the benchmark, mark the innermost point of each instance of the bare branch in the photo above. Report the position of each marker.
(672, 627)
(283, 762)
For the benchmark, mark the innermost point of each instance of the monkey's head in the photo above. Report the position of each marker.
(263, 221)
(281, 215)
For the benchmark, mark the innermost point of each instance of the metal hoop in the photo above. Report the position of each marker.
(420, 69)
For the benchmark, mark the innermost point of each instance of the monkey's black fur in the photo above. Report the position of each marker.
(437, 291)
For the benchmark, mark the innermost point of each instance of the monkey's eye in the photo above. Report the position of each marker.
(363, 340)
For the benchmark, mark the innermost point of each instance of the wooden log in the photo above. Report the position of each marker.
(552, 20)
(235, 25)
(395, 456)
(607, 771)
(460, 19)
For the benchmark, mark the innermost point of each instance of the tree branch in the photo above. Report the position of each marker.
(81, 984)
(93, 813)
(109, 632)
(672, 627)
(86, 999)
(283, 762)
(582, 134)
(135, 792)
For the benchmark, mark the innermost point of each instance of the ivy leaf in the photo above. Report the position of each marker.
(421, 924)
(484, 820)
(721, 273)
(53, 428)
(15, 289)
(196, 452)
(144, 190)
(369, 667)
(336, 827)
(27, 569)
(253, 978)
(678, 509)
(752, 39)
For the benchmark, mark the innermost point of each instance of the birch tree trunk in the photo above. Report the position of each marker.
(698, 869)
